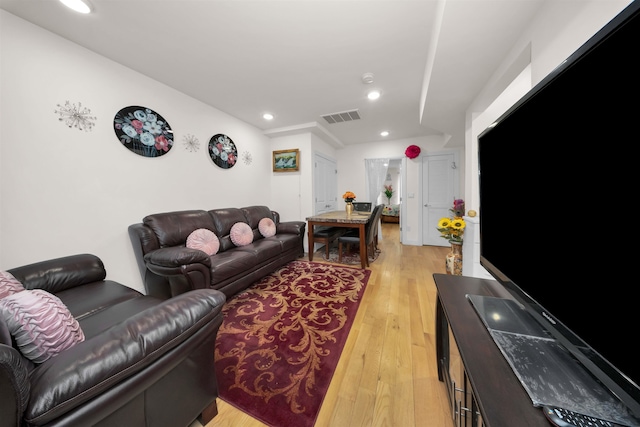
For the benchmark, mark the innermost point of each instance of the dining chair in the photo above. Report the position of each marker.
(327, 235)
(370, 230)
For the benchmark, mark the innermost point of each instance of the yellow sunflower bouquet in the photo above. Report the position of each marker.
(452, 229)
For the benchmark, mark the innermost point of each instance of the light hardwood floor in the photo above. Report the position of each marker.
(387, 373)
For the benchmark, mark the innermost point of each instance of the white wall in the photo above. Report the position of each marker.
(559, 29)
(65, 191)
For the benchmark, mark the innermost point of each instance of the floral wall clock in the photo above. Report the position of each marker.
(223, 151)
(143, 131)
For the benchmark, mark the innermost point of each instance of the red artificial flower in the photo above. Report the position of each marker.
(162, 143)
(412, 151)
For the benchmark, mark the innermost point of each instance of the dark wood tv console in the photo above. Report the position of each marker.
(483, 390)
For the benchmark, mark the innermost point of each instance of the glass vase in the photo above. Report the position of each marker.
(454, 259)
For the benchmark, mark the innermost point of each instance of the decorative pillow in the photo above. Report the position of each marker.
(241, 234)
(40, 323)
(9, 285)
(267, 227)
(205, 240)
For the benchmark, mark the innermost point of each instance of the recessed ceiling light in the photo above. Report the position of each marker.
(267, 116)
(77, 5)
(384, 133)
(373, 95)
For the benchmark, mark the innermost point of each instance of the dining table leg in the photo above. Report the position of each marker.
(310, 239)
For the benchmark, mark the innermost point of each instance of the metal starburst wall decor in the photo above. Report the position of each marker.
(75, 116)
(246, 158)
(191, 143)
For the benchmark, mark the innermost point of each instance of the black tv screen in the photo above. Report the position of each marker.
(557, 186)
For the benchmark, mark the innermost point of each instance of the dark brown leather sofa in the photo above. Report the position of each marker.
(144, 361)
(169, 268)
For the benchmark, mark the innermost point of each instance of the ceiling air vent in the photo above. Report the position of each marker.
(345, 116)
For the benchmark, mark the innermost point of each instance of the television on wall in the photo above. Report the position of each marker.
(557, 177)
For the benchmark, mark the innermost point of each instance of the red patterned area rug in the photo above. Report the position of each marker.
(280, 340)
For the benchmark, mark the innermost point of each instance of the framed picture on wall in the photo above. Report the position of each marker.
(286, 160)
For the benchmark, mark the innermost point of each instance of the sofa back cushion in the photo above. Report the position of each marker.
(173, 228)
(223, 220)
(57, 274)
(254, 214)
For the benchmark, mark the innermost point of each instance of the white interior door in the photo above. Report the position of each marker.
(438, 188)
(325, 184)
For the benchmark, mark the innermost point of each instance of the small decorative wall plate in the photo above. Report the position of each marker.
(223, 151)
(143, 131)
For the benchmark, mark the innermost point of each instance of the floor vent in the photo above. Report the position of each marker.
(345, 116)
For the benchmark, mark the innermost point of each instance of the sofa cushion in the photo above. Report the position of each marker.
(9, 285)
(173, 228)
(263, 249)
(287, 241)
(254, 214)
(223, 220)
(204, 240)
(241, 234)
(92, 298)
(40, 323)
(232, 263)
(112, 315)
(267, 227)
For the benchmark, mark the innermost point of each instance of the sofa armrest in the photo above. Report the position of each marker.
(292, 227)
(177, 257)
(58, 274)
(14, 386)
(94, 366)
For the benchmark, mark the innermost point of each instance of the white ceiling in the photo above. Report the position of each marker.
(302, 59)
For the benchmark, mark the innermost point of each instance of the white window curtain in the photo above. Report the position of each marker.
(376, 175)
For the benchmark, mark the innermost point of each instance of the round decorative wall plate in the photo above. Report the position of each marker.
(143, 131)
(223, 151)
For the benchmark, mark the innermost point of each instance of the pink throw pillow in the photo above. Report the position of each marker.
(241, 234)
(40, 323)
(267, 227)
(204, 240)
(9, 285)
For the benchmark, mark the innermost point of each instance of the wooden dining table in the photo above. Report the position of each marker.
(340, 219)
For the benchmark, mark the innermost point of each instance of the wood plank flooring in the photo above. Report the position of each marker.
(387, 374)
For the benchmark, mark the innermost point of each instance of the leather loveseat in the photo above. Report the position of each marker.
(143, 362)
(169, 268)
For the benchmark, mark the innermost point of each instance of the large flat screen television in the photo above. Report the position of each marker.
(557, 217)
